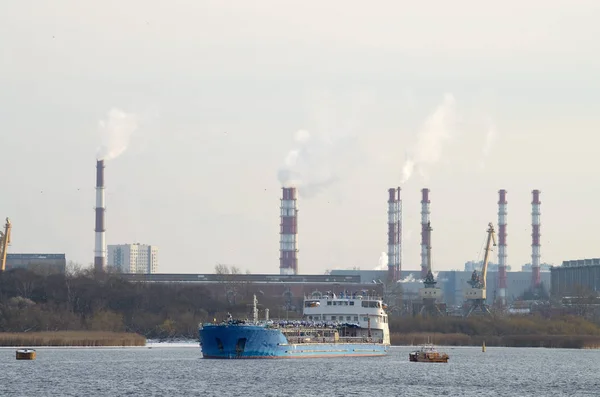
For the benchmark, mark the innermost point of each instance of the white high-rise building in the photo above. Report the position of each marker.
(133, 258)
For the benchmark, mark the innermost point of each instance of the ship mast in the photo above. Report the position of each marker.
(255, 310)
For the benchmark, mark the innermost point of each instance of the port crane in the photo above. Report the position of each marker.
(429, 293)
(476, 295)
(4, 241)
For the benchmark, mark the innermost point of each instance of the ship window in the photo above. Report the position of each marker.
(310, 317)
(332, 318)
(352, 303)
(328, 303)
(366, 319)
(346, 303)
(355, 318)
(348, 318)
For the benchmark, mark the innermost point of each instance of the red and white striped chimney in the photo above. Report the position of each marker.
(425, 211)
(502, 254)
(535, 239)
(394, 234)
(100, 245)
(288, 243)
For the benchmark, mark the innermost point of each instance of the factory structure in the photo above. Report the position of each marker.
(100, 243)
(39, 263)
(288, 243)
(139, 262)
(424, 290)
(394, 253)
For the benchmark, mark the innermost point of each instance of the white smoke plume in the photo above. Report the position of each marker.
(490, 139)
(383, 262)
(115, 133)
(437, 129)
(316, 163)
(407, 279)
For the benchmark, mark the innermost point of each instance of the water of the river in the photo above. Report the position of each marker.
(180, 371)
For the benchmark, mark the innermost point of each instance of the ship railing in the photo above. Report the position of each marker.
(356, 295)
(329, 339)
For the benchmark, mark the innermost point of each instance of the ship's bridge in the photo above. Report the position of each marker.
(365, 310)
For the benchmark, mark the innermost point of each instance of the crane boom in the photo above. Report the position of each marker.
(4, 241)
(491, 238)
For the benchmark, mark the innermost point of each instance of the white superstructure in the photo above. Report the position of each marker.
(133, 258)
(366, 311)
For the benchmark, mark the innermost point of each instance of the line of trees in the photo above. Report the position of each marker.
(82, 300)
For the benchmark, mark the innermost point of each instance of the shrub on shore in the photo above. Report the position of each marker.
(71, 338)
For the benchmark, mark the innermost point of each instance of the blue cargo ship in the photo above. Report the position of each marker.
(332, 326)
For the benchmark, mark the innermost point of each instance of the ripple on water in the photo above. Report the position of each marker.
(180, 371)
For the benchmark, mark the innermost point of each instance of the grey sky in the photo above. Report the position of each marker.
(220, 89)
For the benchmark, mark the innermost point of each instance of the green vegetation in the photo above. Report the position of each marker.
(516, 331)
(72, 338)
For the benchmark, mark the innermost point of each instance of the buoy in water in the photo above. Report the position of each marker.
(483, 347)
(25, 354)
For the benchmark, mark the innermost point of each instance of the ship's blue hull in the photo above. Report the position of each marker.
(255, 341)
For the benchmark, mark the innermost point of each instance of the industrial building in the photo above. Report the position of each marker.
(575, 277)
(453, 283)
(289, 290)
(38, 263)
(133, 258)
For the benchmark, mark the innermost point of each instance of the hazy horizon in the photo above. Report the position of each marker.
(208, 98)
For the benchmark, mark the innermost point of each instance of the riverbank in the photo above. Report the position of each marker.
(71, 338)
(457, 339)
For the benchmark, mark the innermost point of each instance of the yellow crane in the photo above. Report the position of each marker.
(4, 241)
(477, 294)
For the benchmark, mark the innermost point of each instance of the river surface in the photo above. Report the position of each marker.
(178, 370)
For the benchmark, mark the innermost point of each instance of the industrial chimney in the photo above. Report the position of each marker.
(288, 243)
(502, 254)
(394, 234)
(424, 231)
(100, 246)
(535, 239)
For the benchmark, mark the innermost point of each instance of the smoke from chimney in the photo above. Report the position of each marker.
(115, 133)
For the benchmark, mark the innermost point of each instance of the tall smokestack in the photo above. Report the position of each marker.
(502, 252)
(394, 234)
(100, 246)
(288, 243)
(424, 231)
(535, 239)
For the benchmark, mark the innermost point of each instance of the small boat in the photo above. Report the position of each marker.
(25, 354)
(428, 354)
